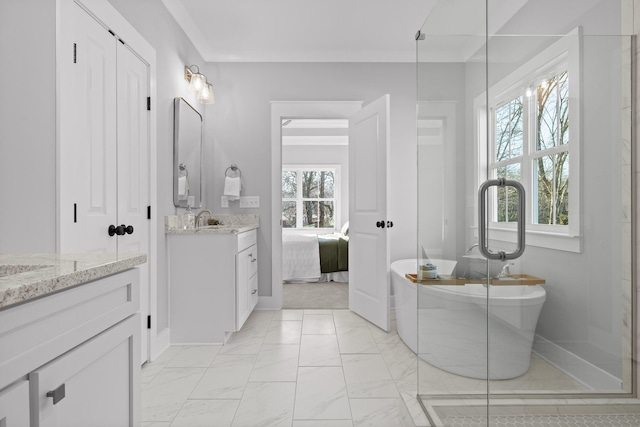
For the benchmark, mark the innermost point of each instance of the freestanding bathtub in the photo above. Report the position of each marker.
(447, 325)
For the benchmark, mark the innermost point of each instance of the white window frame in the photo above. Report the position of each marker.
(562, 55)
(299, 199)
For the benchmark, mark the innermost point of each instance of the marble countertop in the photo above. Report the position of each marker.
(27, 276)
(230, 223)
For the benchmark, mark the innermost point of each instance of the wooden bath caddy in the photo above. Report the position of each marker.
(511, 280)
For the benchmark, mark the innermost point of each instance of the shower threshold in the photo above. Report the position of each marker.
(471, 411)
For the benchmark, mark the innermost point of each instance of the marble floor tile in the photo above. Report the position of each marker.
(241, 343)
(156, 424)
(287, 315)
(322, 423)
(318, 324)
(267, 404)
(321, 394)
(383, 337)
(380, 413)
(206, 413)
(195, 356)
(356, 339)
(319, 350)
(314, 311)
(165, 394)
(226, 378)
(276, 362)
(366, 375)
(348, 318)
(283, 332)
(401, 361)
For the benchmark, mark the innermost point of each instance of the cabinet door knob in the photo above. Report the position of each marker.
(57, 394)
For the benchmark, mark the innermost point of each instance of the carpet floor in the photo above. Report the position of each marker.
(331, 295)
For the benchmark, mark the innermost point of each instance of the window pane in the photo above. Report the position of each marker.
(509, 130)
(508, 196)
(289, 214)
(310, 214)
(562, 188)
(325, 215)
(552, 119)
(289, 184)
(326, 181)
(543, 179)
(310, 184)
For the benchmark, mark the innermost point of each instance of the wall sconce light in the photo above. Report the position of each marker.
(198, 84)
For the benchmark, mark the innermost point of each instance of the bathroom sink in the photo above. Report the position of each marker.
(216, 227)
(11, 269)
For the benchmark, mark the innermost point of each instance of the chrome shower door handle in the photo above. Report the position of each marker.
(482, 219)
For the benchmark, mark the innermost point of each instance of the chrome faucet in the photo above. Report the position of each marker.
(469, 249)
(200, 213)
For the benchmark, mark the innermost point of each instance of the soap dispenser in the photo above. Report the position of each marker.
(189, 219)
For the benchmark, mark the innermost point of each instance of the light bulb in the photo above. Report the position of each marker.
(198, 81)
(206, 94)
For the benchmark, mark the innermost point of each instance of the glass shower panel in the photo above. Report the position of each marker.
(451, 341)
(537, 93)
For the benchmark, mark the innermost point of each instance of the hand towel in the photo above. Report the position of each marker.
(183, 188)
(232, 187)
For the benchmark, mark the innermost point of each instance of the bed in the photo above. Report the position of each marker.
(315, 257)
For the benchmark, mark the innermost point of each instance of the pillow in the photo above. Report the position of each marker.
(345, 229)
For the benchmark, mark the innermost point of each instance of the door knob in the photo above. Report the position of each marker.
(119, 230)
(389, 224)
(128, 229)
(380, 224)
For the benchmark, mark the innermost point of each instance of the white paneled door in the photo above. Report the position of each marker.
(368, 186)
(133, 168)
(104, 146)
(88, 138)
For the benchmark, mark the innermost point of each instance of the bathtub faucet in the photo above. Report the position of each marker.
(470, 248)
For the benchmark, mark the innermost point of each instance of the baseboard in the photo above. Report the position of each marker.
(576, 367)
(161, 343)
(267, 303)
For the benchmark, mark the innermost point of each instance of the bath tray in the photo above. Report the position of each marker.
(511, 280)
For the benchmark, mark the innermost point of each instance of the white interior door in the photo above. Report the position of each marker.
(368, 185)
(133, 169)
(88, 137)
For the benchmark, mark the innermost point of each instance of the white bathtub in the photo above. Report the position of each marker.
(453, 323)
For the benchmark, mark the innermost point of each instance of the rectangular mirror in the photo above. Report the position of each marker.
(187, 155)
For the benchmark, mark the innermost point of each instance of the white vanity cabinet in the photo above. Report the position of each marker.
(72, 358)
(213, 284)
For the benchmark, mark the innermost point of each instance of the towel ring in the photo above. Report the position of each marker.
(233, 171)
(183, 168)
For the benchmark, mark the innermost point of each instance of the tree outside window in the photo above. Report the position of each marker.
(548, 108)
(308, 198)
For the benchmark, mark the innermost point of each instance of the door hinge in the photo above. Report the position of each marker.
(75, 57)
(148, 103)
(149, 322)
(148, 212)
(75, 212)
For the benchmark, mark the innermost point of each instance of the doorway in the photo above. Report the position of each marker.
(314, 200)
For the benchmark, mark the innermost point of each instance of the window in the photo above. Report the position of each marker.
(534, 139)
(309, 197)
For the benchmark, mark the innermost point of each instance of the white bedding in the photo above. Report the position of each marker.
(300, 257)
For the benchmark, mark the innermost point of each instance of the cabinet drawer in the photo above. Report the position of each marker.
(62, 321)
(246, 239)
(95, 384)
(253, 260)
(253, 292)
(14, 405)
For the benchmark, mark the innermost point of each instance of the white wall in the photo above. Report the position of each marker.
(238, 125)
(27, 126)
